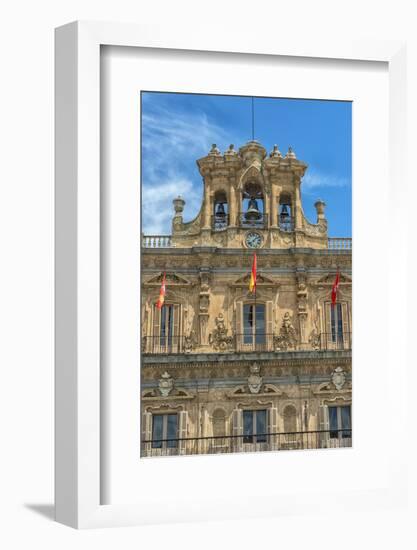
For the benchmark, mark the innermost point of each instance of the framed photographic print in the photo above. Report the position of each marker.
(215, 344)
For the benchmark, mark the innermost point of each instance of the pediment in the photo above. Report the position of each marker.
(261, 280)
(330, 278)
(171, 279)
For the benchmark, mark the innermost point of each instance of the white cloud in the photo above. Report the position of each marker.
(172, 141)
(314, 180)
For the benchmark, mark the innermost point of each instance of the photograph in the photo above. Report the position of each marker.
(246, 274)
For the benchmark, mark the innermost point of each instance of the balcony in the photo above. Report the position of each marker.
(339, 243)
(164, 241)
(246, 343)
(248, 443)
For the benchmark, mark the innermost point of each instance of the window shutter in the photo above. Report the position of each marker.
(156, 329)
(345, 321)
(183, 431)
(146, 433)
(273, 427)
(324, 425)
(237, 422)
(328, 325)
(269, 326)
(239, 325)
(177, 341)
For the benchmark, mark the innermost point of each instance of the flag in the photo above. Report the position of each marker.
(161, 298)
(252, 283)
(335, 288)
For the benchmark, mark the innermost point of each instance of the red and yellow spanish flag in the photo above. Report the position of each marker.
(252, 282)
(162, 292)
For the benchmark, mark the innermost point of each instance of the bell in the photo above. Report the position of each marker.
(252, 214)
(284, 213)
(220, 213)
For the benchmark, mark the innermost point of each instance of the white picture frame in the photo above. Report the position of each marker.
(78, 265)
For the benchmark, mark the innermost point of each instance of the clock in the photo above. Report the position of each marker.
(253, 240)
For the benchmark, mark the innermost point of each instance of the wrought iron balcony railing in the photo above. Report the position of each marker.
(335, 340)
(246, 343)
(248, 443)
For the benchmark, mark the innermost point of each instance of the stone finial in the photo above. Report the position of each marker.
(320, 205)
(214, 151)
(231, 150)
(290, 154)
(178, 203)
(275, 153)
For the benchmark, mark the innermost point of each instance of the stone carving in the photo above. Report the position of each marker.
(338, 378)
(190, 342)
(166, 383)
(219, 338)
(287, 338)
(314, 339)
(254, 379)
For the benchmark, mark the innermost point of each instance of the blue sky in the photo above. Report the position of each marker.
(177, 129)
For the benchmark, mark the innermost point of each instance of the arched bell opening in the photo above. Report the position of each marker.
(285, 213)
(220, 218)
(253, 206)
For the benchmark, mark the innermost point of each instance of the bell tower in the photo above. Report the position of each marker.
(251, 200)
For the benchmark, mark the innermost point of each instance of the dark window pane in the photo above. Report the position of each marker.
(345, 419)
(157, 431)
(261, 426)
(333, 321)
(339, 324)
(248, 323)
(247, 426)
(333, 426)
(172, 423)
(260, 324)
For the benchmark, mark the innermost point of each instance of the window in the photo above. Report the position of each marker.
(340, 422)
(167, 325)
(337, 326)
(164, 431)
(166, 329)
(254, 426)
(336, 323)
(254, 324)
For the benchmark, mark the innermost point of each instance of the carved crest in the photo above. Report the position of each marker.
(166, 383)
(254, 378)
(338, 378)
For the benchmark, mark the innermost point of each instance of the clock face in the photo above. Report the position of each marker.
(253, 240)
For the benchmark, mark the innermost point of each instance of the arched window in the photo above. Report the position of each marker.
(220, 218)
(285, 213)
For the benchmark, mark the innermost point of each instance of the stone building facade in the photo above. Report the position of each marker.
(225, 370)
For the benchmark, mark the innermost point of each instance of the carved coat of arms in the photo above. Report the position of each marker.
(338, 378)
(255, 379)
(166, 383)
